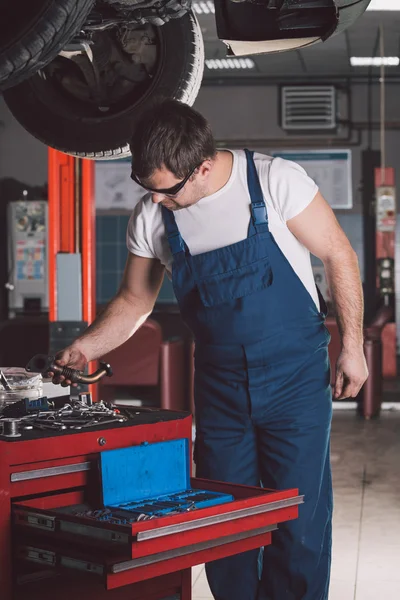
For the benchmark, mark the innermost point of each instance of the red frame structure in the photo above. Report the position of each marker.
(385, 248)
(72, 227)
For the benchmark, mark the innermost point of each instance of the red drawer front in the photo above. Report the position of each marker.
(67, 585)
(52, 475)
(116, 573)
(182, 558)
(252, 508)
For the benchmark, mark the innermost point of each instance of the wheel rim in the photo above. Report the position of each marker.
(66, 82)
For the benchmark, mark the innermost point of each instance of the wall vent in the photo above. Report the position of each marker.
(306, 108)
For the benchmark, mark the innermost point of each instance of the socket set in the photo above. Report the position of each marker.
(154, 508)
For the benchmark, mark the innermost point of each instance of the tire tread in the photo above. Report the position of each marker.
(53, 29)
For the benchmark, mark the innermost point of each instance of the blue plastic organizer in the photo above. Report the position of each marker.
(153, 480)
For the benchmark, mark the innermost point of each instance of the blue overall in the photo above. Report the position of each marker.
(262, 397)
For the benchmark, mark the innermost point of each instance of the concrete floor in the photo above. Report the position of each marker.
(366, 527)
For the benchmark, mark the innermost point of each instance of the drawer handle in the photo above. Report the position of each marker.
(50, 472)
(216, 519)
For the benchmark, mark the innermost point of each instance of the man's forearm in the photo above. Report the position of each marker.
(117, 323)
(344, 281)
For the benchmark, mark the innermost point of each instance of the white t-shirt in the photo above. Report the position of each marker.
(223, 218)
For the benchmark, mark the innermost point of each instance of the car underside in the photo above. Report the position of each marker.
(77, 73)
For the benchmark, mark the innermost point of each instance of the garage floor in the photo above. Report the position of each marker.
(366, 476)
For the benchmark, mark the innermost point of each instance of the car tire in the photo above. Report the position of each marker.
(56, 120)
(39, 35)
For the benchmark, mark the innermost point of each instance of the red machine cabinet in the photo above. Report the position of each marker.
(385, 255)
(153, 561)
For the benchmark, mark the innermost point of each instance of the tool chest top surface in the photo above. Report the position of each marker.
(136, 417)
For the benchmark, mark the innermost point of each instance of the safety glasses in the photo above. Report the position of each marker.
(171, 192)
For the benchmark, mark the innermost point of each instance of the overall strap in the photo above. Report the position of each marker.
(175, 239)
(259, 216)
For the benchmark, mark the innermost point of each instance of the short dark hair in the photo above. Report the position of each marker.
(170, 134)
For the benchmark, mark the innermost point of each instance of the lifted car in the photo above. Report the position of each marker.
(78, 73)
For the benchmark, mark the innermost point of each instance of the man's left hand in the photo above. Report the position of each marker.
(351, 373)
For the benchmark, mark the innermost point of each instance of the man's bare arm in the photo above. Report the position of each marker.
(126, 312)
(317, 228)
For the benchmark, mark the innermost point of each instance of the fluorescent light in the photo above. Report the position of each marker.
(374, 61)
(230, 63)
(204, 8)
(383, 5)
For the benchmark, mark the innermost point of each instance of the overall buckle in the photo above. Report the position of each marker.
(259, 211)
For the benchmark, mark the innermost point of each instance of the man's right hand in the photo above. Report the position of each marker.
(70, 357)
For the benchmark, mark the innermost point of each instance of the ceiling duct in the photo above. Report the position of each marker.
(308, 108)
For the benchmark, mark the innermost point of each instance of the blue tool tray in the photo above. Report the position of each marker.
(153, 480)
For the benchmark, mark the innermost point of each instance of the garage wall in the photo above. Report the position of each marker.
(251, 112)
(22, 157)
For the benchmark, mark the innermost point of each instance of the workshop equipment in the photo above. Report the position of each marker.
(44, 364)
(16, 384)
(24, 407)
(385, 208)
(57, 415)
(4, 382)
(141, 483)
(27, 283)
(55, 551)
(72, 249)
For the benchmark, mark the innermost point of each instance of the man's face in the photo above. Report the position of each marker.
(194, 189)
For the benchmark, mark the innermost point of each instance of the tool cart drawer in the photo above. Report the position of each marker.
(137, 530)
(118, 570)
(251, 508)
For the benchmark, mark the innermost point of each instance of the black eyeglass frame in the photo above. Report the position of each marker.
(172, 191)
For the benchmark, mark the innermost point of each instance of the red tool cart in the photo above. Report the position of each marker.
(47, 554)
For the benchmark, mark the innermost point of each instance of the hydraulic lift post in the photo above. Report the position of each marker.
(72, 249)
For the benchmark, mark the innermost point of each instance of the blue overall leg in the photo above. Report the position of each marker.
(226, 450)
(293, 445)
(250, 427)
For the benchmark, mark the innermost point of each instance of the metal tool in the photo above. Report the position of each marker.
(11, 427)
(4, 382)
(47, 364)
(105, 422)
(86, 398)
(77, 414)
(50, 426)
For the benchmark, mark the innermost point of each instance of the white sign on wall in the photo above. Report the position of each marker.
(331, 171)
(115, 189)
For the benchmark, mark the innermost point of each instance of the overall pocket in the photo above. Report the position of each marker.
(219, 289)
